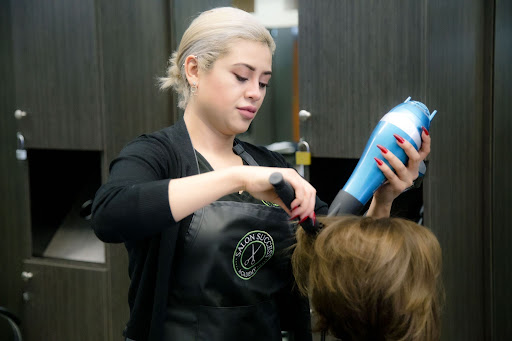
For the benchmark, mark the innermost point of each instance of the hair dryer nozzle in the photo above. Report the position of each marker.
(345, 203)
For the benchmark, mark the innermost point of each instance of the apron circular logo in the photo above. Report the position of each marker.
(251, 253)
(269, 204)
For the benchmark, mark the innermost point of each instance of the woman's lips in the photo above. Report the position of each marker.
(247, 112)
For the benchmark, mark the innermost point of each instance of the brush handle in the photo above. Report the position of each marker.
(286, 192)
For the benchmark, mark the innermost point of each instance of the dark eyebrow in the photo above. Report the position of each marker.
(252, 68)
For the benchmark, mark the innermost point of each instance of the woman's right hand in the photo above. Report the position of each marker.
(256, 182)
(188, 194)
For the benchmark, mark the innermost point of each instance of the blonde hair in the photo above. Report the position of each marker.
(371, 279)
(209, 37)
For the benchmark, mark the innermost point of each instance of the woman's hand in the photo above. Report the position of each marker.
(257, 183)
(402, 178)
(188, 194)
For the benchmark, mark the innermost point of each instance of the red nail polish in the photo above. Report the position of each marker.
(379, 162)
(398, 138)
(425, 131)
(314, 218)
(382, 149)
(294, 217)
(293, 209)
(303, 219)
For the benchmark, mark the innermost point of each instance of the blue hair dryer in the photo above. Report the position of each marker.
(405, 120)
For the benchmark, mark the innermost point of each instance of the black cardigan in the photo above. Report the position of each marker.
(133, 207)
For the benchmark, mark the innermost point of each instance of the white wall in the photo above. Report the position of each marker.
(277, 13)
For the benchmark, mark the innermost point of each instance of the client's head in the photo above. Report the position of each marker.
(371, 279)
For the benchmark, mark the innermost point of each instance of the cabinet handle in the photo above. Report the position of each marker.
(26, 276)
(304, 115)
(21, 152)
(19, 114)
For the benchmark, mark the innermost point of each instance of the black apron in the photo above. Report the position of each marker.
(231, 268)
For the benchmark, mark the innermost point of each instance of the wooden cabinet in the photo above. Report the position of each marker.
(57, 73)
(84, 72)
(64, 301)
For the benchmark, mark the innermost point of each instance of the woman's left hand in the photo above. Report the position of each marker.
(402, 178)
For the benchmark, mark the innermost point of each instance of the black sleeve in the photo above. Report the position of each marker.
(134, 203)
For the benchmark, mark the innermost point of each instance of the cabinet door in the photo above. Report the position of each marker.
(357, 60)
(56, 73)
(64, 302)
(14, 193)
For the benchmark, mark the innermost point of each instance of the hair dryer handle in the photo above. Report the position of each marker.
(286, 192)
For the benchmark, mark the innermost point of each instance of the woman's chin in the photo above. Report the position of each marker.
(242, 127)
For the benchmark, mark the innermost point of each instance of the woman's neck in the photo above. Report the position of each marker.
(205, 138)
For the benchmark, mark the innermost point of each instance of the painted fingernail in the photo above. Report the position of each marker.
(379, 162)
(293, 209)
(314, 218)
(425, 131)
(294, 217)
(398, 138)
(382, 149)
(303, 219)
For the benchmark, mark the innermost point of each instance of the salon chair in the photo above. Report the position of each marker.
(9, 326)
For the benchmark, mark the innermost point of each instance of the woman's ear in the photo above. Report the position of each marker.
(192, 69)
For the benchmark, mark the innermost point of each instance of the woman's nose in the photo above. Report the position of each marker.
(254, 91)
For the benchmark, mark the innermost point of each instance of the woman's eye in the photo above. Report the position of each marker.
(243, 79)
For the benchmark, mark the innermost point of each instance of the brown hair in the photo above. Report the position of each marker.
(371, 279)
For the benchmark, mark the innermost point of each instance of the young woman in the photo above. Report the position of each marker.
(371, 279)
(203, 227)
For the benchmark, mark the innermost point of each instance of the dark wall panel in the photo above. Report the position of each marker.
(454, 186)
(14, 222)
(133, 103)
(56, 70)
(502, 183)
(358, 59)
(135, 44)
(55, 294)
